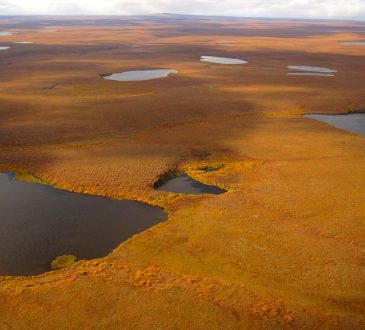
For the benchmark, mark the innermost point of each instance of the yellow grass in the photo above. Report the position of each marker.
(283, 248)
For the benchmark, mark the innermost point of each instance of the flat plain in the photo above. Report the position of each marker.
(284, 247)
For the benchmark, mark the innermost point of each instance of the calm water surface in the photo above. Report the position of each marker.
(184, 184)
(39, 223)
(140, 75)
(222, 60)
(309, 74)
(6, 33)
(354, 43)
(311, 68)
(353, 122)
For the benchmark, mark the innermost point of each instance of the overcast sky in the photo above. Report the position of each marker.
(351, 9)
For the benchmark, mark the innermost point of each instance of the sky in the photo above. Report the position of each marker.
(325, 9)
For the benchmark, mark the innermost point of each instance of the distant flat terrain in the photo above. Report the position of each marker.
(283, 247)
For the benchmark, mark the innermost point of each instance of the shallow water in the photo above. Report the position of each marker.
(353, 122)
(140, 75)
(221, 60)
(39, 223)
(311, 69)
(6, 33)
(354, 43)
(4, 48)
(309, 74)
(184, 184)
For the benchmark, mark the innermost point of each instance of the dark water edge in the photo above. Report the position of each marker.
(352, 122)
(39, 222)
(184, 184)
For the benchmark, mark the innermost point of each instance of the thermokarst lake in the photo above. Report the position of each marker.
(261, 218)
(352, 122)
(354, 43)
(39, 223)
(310, 71)
(6, 33)
(140, 75)
(221, 60)
(184, 184)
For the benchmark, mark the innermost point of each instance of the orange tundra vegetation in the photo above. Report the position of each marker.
(283, 248)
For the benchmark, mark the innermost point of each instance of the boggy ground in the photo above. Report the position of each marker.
(283, 248)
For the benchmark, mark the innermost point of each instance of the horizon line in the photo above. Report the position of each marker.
(191, 15)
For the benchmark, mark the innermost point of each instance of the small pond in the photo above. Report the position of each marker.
(311, 69)
(140, 75)
(39, 223)
(354, 43)
(184, 184)
(6, 33)
(221, 60)
(309, 74)
(353, 122)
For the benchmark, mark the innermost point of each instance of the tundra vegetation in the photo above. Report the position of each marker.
(63, 261)
(283, 247)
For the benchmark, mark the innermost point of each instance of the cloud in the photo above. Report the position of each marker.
(8, 8)
(351, 9)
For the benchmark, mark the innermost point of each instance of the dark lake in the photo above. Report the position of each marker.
(39, 223)
(353, 122)
(184, 184)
